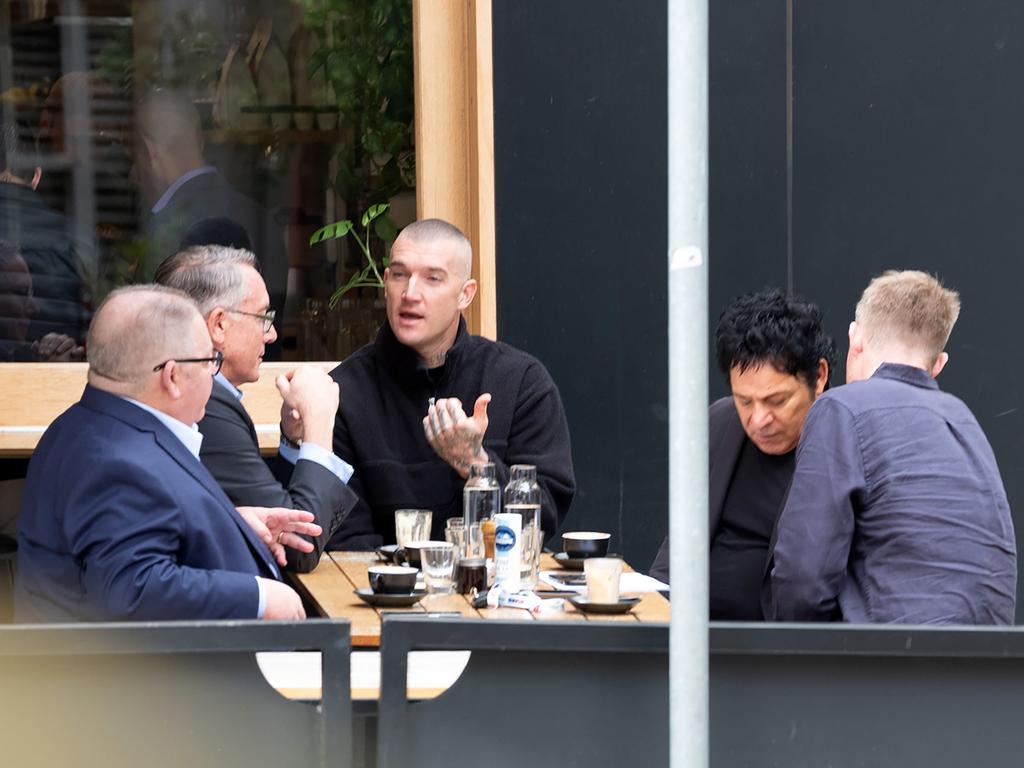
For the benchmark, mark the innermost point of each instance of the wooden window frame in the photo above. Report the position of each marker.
(454, 126)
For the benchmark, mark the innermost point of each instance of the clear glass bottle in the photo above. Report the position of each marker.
(522, 495)
(481, 501)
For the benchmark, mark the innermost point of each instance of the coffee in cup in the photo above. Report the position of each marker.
(580, 544)
(392, 579)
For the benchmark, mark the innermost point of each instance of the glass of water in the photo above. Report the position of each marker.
(469, 542)
(529, 565)
(437, 560)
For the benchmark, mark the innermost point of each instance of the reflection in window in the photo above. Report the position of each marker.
(131, 128)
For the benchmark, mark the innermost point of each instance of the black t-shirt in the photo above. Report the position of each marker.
(740, 547)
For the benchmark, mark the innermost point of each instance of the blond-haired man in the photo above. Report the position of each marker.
(897, 512)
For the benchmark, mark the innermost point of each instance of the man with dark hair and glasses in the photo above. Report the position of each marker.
(119, 519)
(777, 357)
(232, 297)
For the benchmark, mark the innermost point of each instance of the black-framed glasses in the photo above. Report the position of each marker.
(213, 363)
(267, 317)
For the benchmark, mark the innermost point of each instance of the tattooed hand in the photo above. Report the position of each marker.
(456, 437)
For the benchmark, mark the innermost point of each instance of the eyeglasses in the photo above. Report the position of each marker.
(213, 363)
(268, 318)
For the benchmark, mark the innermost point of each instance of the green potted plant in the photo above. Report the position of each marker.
(370, 275)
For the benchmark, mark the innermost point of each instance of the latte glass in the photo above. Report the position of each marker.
(412, 525)
(603, 574)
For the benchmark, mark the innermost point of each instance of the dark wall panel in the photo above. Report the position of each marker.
(747, 148)
(580, 166)
(907, 154)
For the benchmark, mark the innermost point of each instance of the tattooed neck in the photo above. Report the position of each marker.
(435, 360)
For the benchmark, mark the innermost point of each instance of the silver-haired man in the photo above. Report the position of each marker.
(233, 299)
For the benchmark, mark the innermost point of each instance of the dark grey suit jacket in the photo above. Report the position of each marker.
(725, 439)
(231, 453)
(209, 195)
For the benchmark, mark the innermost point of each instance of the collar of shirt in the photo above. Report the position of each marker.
(165, 198)
(404, 361)
(908, 374)
(235, 391)
(190, 437)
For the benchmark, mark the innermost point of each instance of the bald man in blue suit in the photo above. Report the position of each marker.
(119, 520)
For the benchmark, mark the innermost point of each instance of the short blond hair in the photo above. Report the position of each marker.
(909, 308)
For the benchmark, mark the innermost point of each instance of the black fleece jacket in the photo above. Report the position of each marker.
(379, 431)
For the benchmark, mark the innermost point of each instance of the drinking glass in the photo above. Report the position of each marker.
(467, 544)
(603, 574)
(438, 564)
(529, 567)
(412, 525)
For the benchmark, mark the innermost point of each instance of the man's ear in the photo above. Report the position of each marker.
(170, 380)
(216, 324)
(822, 380)
(467, 294)
(940, 363)
(856, 338)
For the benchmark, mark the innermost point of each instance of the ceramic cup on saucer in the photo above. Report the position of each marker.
(392, 579)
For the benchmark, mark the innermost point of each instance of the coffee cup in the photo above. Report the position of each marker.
(392, 579)
(581, 544)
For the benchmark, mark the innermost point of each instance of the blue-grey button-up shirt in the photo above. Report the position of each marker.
(896, 512)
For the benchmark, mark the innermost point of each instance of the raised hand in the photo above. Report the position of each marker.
(456, 437)
(311, 399)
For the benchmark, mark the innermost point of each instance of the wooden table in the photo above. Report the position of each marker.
(331, 588)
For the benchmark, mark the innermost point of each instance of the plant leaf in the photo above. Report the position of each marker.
(322, 234)
(386, 230)
(335, 230)
(377, 210)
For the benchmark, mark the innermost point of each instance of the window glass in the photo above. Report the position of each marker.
(133, 129)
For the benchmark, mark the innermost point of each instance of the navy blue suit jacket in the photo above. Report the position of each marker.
(120, 522)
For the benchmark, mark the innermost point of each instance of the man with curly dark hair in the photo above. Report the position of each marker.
(778, 358)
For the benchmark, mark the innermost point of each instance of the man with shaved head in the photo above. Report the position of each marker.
(119, 519)
(426, 400)
(185, 190)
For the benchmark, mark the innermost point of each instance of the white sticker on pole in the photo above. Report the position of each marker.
(686, 257)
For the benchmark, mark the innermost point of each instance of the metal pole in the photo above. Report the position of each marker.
(688, 377)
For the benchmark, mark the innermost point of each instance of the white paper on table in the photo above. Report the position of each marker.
(639, 582)
(628, 584)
